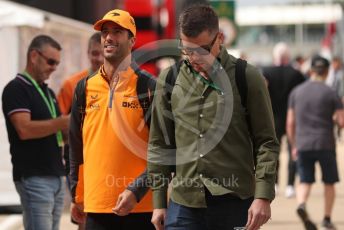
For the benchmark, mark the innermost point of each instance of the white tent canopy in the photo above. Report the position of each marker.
(18, 25)
(288, 14)
(17, 15)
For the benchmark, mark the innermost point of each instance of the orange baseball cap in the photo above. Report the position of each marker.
(120, 17)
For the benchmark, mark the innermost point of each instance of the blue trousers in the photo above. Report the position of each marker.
(42, 199)
(224, 212)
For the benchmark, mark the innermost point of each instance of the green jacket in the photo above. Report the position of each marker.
(205, 133)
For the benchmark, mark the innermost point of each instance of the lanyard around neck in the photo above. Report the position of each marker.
(203, 79)
(49, 103)
(48, 100)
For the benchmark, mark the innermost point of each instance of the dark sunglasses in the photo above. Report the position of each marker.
(201, 50)
(50, 61)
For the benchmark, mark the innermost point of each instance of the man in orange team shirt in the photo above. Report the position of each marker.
(65, 96)
(108, 135)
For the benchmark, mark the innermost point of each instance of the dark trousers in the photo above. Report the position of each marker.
(109, 221)
(222, 213)
(292, 167)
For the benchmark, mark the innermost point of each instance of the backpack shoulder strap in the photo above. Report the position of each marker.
(171, 78)
(80, 97)
(145, 88)
(170, 81)
(240, 80)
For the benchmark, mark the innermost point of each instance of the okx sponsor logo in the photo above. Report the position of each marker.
(131, 104)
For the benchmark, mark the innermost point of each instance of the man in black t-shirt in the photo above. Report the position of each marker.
(34, 127)
(281, 79)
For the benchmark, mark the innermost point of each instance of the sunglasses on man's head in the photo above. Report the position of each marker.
(201, 50)
(50, 61)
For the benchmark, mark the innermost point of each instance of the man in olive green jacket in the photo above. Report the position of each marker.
(201, 128)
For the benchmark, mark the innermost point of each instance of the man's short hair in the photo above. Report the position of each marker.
(320, 65)
(95, 38)
(41, 40)
(198, 18)
(281, 53)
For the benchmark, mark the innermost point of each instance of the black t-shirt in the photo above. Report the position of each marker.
(281, 81)
(33, 157)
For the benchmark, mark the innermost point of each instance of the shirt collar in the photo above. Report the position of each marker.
(219, 61)
(102, 71)
(25, 79)
(134, 66)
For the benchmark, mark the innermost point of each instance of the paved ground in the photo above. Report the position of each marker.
(283, 210)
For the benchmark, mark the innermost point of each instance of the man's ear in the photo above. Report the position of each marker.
(132, 41)
(33, 55)
(221, 37)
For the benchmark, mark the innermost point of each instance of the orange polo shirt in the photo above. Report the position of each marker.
(115, 143)
(65, 96)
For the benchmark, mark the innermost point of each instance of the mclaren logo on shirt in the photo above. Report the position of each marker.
(130, 96)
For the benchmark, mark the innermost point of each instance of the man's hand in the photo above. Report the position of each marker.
(125, 203)
(158, 218)
(258, 214)
(63, 122)
(77, 212)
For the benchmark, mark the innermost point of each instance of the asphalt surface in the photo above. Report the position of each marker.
(283, 210)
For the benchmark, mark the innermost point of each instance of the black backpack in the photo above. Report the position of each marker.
(145, 91)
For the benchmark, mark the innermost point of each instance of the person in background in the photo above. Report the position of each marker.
(65, 95)
(313, 110)
(298, 62)
(95, 57)
(34, 126)
(335, 77)
(281, 79)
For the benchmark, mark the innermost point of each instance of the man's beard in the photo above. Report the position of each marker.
(114, 57)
